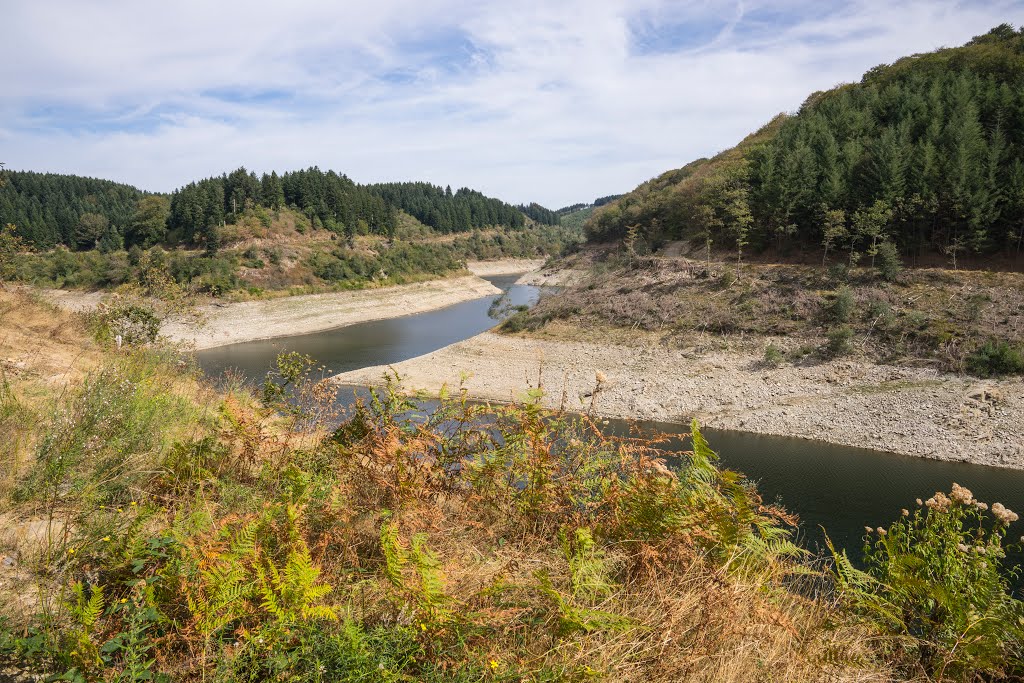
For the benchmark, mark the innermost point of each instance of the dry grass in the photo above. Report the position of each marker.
(512, 604)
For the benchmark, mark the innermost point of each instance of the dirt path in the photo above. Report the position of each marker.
(904, 410)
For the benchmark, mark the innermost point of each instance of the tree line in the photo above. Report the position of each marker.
(81, 213)
(447, 211)
(330, 200)
(926, 154)
(50, 209)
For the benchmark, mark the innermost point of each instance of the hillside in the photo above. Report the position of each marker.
(50, 209)
(926, 155)
(245, 235)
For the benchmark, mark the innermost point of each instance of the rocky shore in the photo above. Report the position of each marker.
(912, 411)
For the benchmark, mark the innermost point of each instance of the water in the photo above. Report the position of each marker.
(379, 342)
(839, 488)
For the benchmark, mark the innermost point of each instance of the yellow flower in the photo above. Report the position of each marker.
(134, 503)
(71, 551)
(423, 626)
(494, 665)
(124, 600)
(106, 539)
(120, 510)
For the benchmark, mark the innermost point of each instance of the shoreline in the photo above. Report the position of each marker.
(907, 411)
(245, 321)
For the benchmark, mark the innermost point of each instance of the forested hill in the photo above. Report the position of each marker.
(330, 200)
(927, 153)
(446, 211)
(50, 209)
(84, 213)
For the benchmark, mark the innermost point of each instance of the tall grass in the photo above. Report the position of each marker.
(202, 536)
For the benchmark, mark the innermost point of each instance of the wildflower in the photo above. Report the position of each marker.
(905, 512)
(868, 529)
(494, 665)
(881, 531)
(105, 539)
(120, 510)
(919, 503)
(961, 495)
(133, 503)
(71, 551)
(423, 626)
(1003, 514)
(124, 600)
(938, 503)
(962, 547)
(981, 506)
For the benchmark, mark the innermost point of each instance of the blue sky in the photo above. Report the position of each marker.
(556, 102)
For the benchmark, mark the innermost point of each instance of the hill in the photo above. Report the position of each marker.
(248, 235)
(926, 154)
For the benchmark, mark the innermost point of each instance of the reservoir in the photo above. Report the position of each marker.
(838, 488)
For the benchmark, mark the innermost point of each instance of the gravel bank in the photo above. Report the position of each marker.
(912, 411)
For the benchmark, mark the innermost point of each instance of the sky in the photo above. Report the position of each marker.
(556, 101)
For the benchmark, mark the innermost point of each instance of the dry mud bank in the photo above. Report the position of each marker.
(231, 323)
(503, 267)
(911, 411)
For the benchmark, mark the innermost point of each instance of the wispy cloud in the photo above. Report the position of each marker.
(529, 100)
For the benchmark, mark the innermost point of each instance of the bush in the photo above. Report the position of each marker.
(839, 272)
(996, 358)
(135, 324)
(887, 261)
(773, 355)
(840, 308)
(840, 342)
(935, 585)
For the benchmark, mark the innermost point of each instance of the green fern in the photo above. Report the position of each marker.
(291, 595)
(226, 584)
(86, 613)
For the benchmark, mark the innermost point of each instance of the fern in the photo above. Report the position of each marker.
(291, 595)
(587, 568)
(86, 612)
(431, 597)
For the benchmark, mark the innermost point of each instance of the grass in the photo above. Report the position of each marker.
(167, 531)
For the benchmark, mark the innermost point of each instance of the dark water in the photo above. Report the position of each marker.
(372, 343)
(839, 488)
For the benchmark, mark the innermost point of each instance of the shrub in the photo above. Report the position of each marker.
(995, 358)
(136, 324)
(840, 342)
(773, 355)
(934, 584)
(839, 272)
(840, 308)
(887, 261)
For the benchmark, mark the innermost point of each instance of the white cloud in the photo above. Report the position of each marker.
(553, 102)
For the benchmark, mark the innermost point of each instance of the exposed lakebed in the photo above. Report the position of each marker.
(839, 488)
